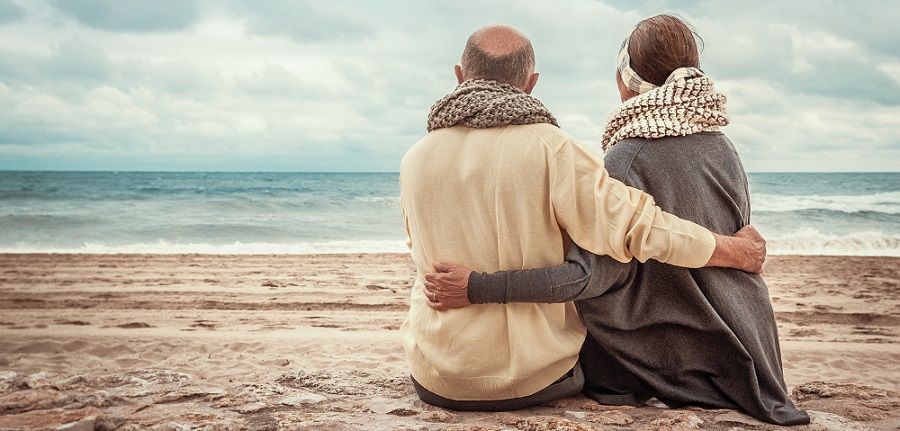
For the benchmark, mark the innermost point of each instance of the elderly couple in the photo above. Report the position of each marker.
(506, 211)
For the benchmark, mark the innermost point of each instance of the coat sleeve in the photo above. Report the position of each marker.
(606, 217)
(583, 275)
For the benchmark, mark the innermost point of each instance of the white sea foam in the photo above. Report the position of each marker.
(391, 201)
(806, 241)
(165, 247)
(809, 241)
(887, 202)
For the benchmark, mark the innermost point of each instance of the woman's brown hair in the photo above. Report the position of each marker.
(661, 44)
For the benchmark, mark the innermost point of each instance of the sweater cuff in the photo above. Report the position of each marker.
(480, 290)
(703, 245)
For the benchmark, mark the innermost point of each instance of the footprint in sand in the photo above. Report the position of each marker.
(868, 330)
(134, 325)
(203, 324)
(114, 351)
(75, 345)
(279, 362)
(246, 347)
(40, 347)
(805, 333)
(73, 322)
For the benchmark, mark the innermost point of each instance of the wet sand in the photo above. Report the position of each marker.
(250, 342)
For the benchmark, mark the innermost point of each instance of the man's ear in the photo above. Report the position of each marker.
(532, 81)
(459, 75)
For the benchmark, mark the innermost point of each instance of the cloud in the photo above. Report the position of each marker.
(803, 61)
(76, 60)
(817, 47)
(10, 12)
(276, 81)
(83, 102)
(828, 64)
(280, 85)
(809, 88)
(309, 20)
(774, 131)
(132, 16)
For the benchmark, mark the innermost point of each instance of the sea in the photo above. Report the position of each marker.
(305, 213)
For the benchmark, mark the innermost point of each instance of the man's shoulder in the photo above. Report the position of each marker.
(550, 136)
(546, 131)
(544, 134)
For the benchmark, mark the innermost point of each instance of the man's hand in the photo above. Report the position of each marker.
(447, 287)
(746, 250)
(756, 248)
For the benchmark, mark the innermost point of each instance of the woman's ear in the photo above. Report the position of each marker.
(625, 93)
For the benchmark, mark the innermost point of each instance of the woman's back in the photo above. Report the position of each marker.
(698, 336)
(698, 177)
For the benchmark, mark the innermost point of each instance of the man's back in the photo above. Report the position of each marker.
(483, 197)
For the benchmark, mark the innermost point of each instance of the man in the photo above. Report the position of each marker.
(497, 185)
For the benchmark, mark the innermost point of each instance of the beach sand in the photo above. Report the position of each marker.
(311, 342)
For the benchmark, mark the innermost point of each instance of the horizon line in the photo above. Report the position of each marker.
(352, 172)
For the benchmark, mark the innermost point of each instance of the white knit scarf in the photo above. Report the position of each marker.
(678, 108)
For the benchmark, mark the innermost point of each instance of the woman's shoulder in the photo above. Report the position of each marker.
(631, 147)
(637, 157)
(620, 157)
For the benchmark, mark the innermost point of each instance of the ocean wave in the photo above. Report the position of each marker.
(391, 201)
(166, 247)
(810, 241)
(805, 241)
(887, 202)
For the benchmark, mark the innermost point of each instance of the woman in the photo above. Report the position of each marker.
(684, 336)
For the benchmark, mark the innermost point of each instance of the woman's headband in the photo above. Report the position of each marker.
(637, 84)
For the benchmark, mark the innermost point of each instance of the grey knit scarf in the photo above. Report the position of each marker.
(678, 108)
(480, 103)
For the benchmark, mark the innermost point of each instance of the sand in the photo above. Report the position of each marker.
(235, 342)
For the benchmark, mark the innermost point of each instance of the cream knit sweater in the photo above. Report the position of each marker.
(505, 198)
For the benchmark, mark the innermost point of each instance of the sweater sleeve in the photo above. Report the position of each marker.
(583, 275)
(606, 217)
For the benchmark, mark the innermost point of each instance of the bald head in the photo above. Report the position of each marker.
(500, 53)
(499, 40)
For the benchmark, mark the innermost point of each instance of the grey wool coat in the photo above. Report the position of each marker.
(702, 336)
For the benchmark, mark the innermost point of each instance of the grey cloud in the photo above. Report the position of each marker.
(32, 132)
(177, 78)
(71, 71)
(730, 52)
(773, 58)
(76, 60)
(76, 67)
(755, 41)
(872, 24)
(274, 81)
(376, 68)
(9, 69)
(132, 16)
(68, 76)
(839, 78)
(10, 12)
(309, 20)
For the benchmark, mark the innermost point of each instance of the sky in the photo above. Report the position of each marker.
(345, 86)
